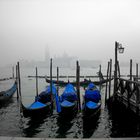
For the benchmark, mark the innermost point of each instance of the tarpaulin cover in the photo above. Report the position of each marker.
(36, 105)
(69, 93)
(92, 94)
(92, 105)
(66, 103)
(48, 89)
(45, 96)
(90, 86)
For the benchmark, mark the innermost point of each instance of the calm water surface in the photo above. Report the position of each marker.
(107, 124)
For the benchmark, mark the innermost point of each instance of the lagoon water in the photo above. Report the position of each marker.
(12, 123)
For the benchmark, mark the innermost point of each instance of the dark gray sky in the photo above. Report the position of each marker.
(87, 29)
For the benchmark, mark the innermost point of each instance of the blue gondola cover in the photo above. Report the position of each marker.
(69, 93)
(48, 90)
(36, 105)
(66, 103)
(45, 96)
(92, 93)
(92, 105)
(91, 86)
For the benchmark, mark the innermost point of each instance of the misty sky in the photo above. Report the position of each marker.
(87, 29)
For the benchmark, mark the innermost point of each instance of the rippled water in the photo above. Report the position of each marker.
(108, 123)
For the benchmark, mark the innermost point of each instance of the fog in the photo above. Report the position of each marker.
(86, 29)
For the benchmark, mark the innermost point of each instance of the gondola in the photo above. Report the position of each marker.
(68, 101)
(85, 82)
(6, 95)
(91, 102)
(42, 105)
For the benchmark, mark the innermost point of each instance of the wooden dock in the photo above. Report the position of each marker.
(128, 93)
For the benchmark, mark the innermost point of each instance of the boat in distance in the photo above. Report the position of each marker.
(85, 82)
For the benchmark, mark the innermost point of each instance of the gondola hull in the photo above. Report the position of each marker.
(92, 101)
(6, 95)
(68, 101)
(90, 112)
(69, 111)
(42, 105)
(36, 112)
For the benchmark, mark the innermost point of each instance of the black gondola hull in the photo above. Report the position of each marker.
(6, 95)
(69, 111)
(89, 113)
(27, 112)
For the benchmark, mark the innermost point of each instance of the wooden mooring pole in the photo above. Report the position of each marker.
(78, 84)
(130, 69)
(51, 83)
(115, 71)
(107, 83)
(18, 67)
(110, 71)
(100, 68)
(36, 82)
(57, 80)
(99, 76)
(19, 87)
(13, 76)
(129, 86)
(17, 82)
(118, 66)
(137, 71)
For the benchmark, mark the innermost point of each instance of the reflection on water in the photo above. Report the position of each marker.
(9, 119)
(32, 126)
(108, 123)
(90, 125)
(64, 124)
(124, 122)
(4, 105)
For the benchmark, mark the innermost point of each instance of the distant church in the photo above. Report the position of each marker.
(66, 61)
(63, 61)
